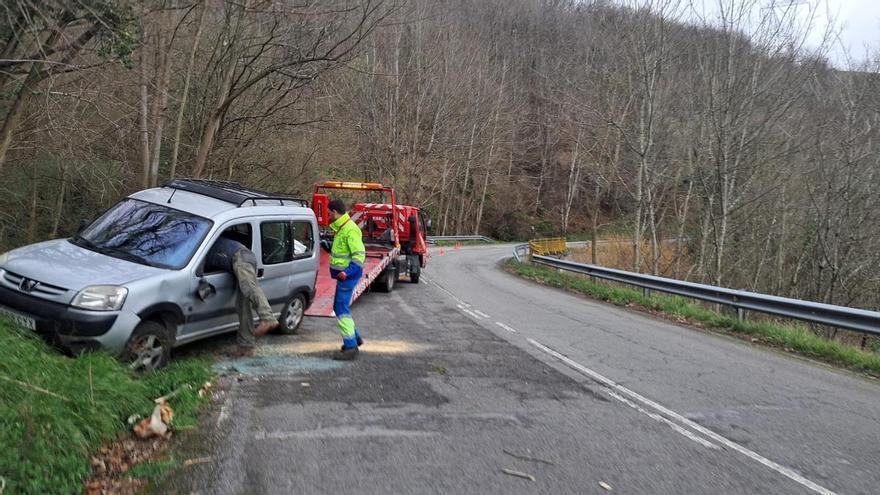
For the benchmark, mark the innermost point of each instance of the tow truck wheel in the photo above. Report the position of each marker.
(149, 347)
(292, 315)
(415, 269)
(385, 282)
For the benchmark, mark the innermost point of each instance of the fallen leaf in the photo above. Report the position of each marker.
(605, 485)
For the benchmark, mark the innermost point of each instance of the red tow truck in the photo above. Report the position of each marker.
(395, 237)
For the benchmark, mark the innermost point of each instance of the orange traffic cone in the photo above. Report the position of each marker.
(457, 245)
(442, 252)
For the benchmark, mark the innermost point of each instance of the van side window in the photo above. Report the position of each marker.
(240, 233)
(303, 239)
(276, 240)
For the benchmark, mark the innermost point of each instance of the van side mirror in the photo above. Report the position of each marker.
(82, 225)
(205, 290)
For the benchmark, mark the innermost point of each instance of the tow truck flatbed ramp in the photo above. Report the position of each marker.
(378, 258)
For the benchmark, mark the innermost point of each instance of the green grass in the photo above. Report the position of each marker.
(152, 470)
(795, 338)
(46, 439)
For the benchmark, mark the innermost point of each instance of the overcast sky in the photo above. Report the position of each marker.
(856, 21)
(859, 21)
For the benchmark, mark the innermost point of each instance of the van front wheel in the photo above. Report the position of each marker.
(149, 347)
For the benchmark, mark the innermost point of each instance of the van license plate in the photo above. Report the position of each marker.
(23, 320)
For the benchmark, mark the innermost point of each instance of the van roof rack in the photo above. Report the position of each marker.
(230, 192)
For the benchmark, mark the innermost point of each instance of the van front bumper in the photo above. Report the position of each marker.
(74, 329)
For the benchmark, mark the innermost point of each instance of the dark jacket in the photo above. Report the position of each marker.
(222, 253)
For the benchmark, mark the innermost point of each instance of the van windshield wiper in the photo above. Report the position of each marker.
(82, 241)
(118, 253)
(114, 252)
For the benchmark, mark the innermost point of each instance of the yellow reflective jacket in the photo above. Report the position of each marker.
(348, 253)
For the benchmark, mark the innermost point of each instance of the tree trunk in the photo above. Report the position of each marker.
(35, 75)
(482, 199)
(637, 227)
(186, 84)
(59, 206)
(573, 179)
(32, 221)
(160, 102)
(212, 125)
(144, 107)
(459, 225)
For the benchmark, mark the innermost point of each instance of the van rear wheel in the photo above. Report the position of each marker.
(149, 347)
(292, 315)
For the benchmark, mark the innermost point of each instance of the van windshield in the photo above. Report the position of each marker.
(145, 233)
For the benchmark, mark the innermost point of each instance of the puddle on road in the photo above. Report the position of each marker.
(287, 364)
(292, 358)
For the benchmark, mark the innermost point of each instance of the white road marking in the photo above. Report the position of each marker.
(471, 313)
(484, 315)
(660, 419)
(450, 294)
(788, 473)
(502, 325)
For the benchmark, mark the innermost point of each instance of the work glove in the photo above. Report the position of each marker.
(326, 245)
(341, 276)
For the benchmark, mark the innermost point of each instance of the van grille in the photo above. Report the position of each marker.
(41, 289)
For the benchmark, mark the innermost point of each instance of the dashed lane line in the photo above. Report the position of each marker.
(502, 325)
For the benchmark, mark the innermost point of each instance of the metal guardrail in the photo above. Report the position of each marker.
(858, 320)
(521, 252)
(458, 238)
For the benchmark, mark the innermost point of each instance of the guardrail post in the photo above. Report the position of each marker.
(740, 314)
(646, 292)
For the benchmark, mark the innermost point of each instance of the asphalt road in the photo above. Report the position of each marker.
(474, 372)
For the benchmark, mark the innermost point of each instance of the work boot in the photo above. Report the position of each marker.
(265, 327)
(346, 354)
(360, 341)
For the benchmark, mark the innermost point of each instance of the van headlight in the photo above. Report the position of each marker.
(100, 298)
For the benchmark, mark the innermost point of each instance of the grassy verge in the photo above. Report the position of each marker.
(56, 411)
(788, 337)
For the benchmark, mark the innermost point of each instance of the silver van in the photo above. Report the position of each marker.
(135, 282)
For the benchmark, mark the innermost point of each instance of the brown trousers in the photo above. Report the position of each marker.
(249, 297)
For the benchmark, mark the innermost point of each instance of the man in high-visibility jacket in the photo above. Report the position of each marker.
(347, 257)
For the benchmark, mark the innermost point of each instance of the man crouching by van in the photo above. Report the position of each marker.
(234, 257)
